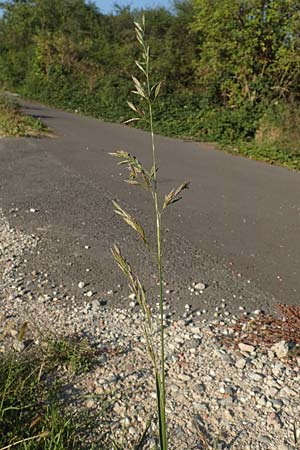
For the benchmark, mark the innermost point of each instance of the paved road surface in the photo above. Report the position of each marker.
(238, 228)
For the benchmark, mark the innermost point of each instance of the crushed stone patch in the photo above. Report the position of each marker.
(244, 398)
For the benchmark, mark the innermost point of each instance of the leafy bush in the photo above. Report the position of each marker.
(230, 125)
(270, 152)
(14, 123)
(280, 126)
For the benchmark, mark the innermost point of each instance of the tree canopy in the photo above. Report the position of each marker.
(223, 63)
(249, 48)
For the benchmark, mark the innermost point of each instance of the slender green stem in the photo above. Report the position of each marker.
(162, 336)
(162, 399)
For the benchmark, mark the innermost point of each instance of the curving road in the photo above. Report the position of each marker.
(237, 230)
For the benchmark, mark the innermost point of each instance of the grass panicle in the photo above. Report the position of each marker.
(146, 95)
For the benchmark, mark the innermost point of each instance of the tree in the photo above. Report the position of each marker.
(250, 49)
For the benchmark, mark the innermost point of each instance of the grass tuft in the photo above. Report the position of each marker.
(73, 355)
(14, 123)
(34, 411)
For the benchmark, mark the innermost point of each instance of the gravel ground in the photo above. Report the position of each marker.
(234, 399)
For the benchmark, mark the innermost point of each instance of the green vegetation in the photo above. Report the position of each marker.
(14, 123)
(227, 66)
(33, 411)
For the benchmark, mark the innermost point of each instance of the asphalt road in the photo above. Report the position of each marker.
(237, 229)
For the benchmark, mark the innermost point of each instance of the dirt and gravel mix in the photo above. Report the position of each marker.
(219, 396)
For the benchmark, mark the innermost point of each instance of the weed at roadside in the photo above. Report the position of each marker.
(74, 355)
(29, 408)
(14, 123)
(147, 178)
(35, 414)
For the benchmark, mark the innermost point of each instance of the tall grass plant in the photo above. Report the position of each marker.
(146, 94)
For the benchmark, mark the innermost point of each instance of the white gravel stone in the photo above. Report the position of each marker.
(200, 286)
(89, 293)
(284, 447)
(246, 347)
(281, 349)
(256, 376)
